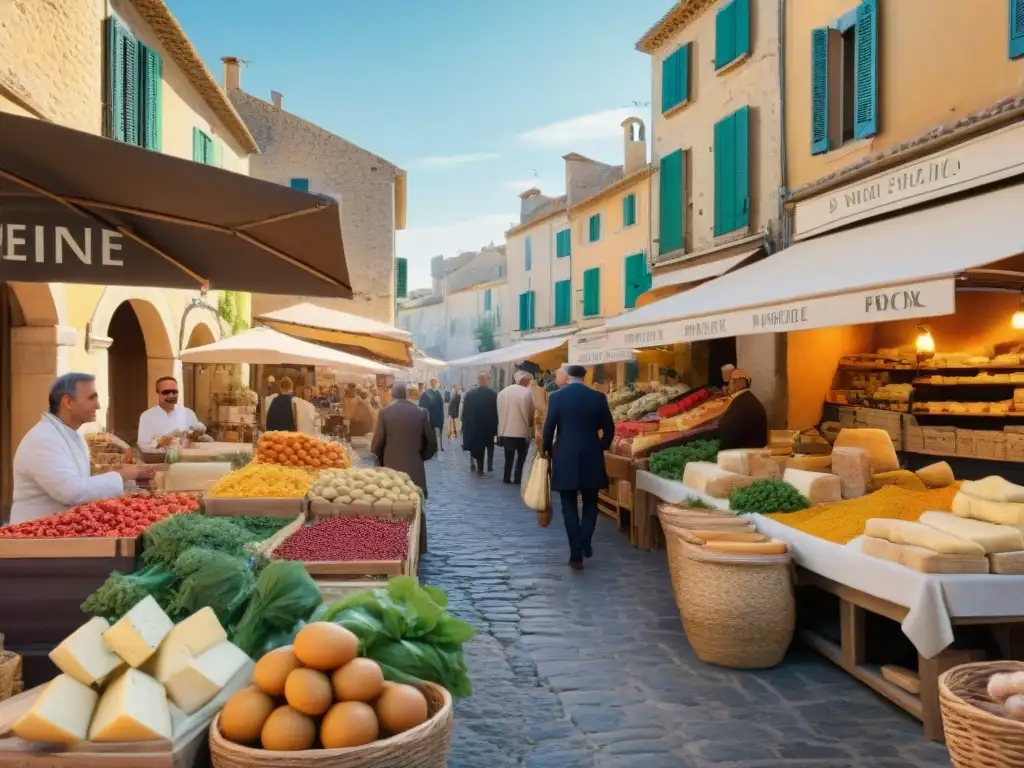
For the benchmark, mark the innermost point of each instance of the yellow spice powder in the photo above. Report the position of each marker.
(843, 521)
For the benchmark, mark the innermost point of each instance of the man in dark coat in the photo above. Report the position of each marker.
(480, 424)
(432, 401)
(579, 418)
(453, 411)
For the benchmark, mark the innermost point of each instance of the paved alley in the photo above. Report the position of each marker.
(592, 669)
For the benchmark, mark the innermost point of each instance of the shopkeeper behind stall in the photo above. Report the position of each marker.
(166, 416)
(745, 421)
(51, 465)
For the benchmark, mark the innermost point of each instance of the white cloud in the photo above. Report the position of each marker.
(420, 244)
(545, 186)
(454, 161)
(599, 127)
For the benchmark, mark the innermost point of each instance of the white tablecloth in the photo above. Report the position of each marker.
(932, 600)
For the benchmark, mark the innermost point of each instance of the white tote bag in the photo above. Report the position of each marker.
(537, 490)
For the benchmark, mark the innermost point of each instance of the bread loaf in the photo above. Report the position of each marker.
(994, 538)
(920, 535)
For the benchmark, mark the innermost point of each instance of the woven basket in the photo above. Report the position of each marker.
(425, 746)
(976, 737)
(678, 509)
(11, 681)
(714, 522)
(678, 564)
(739, 610)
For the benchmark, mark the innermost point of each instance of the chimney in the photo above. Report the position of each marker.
(275, 98)
(232, 73)
(531, 199)
(634, 139)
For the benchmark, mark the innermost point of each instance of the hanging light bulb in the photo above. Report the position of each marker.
(925, 342)
(1017, 321)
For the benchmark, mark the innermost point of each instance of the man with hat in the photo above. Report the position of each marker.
(515, 424)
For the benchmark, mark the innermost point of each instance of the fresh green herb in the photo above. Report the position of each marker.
(766, 497)
(693, 502)
(262, 527)
(120, 592)
(671, 462)
(168, 539)
(215, 579)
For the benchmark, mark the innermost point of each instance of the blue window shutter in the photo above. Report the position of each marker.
(670, 202)
(151, 97)
(132, 100)
(669, 86)
(300, 184)
(1016, 28)
(487, 300)
(115, 80)
(740, 28)
(724, 36)
(532, 304)
(629, 210)
(724, 179)
(595, 227)
(529, 253)
(865, 95)
(563, 302)
(683, 73)
(741, 163)
(592, 292)
(637, 279)
(401, 278)
(819, 91)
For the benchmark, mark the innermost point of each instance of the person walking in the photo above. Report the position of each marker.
(515, 424)
(480, 424)
(580, 421)
(404, 441)
(453, 412)
(432, 401)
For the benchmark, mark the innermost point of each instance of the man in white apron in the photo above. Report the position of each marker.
(51, 465)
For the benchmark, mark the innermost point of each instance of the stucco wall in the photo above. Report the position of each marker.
(938, 62)
(427, 324)
(465, 311)
(545, 271)
(714, 96)
(295, 148)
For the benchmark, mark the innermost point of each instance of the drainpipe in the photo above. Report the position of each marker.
(783, 176)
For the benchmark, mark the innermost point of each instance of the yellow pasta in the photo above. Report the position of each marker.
(263, 481)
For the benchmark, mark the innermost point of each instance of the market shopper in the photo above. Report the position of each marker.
(433, 402)
(581, 422)
(453, 411)
(166, 416)
(480, 424)
(515, 424)
(51, 465)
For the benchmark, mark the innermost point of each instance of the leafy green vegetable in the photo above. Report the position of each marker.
(261, 527)
(223, 582)
(671, 462)
(283, 595)
(694, 502)
(167, 540)
(766, 497)
(120, 592)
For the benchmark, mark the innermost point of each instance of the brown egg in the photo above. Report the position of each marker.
(349, 724)
(359, 680)
(325, 646)
(401, 707)
(288, 731)
(273, 669)
(308, 691)
(245, 714)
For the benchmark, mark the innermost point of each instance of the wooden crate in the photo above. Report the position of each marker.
(253, 507)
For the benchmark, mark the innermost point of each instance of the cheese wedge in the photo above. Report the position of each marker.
(998, 512)
(136, 637)
(85, 656)
(994, 538)
(133, 708)
(816, 487)
(771, 547)
(738, 460)
(993, 488)
(937, 475)
(188, 639)
(920, 535)
(876, 442)
(205, 676)
(60, 715)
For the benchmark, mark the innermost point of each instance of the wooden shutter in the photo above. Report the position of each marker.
(302, 184)
(670, 202)
(592, 292)
(740, 28)
(819, 91)
(524, 311)
(724, 36)
(563, 243)
(741, 167)
(683, 74)
(151, 70)
(132, 100)
(865, 98)
(724, 178)
(595, 227)
(629, 210)
(531, 302)
(122, 83)
(198, 147)
(1016, 28)
(563, 302)
(637, 279)
(401, 278)
(669, 86)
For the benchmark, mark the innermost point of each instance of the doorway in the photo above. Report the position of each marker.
(720, 352)
(127, 374)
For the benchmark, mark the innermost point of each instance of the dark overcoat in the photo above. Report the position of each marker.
(404, 439)
(581, 422)
(453, 407)
(434, 404)
(479, 418)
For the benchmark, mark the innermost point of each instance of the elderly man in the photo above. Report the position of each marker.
(480, 424)
(433, 402)
(51, 465)
(515, 424)
(166, 416)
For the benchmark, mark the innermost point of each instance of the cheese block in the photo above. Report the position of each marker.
(136, 637)
(920, 535)
(770, 547)
(853, 468)
(809, 463)
(922, 559)
(993, 488)
(764, 466)
(60, 715)
(712, 535)
(84, 656)
(195, 475)
(994, 538)
(188, 639)
(937, 475)
(711, 480)
(133, 708)
(961, 506)
(817, 487)
(738, 459)
(901, 478)
(998, 512)
(205, 676)
(876, 442)
(1007, 563)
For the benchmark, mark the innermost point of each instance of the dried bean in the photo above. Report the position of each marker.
(346, 539)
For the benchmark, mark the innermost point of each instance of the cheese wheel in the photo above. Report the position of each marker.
(708, 535)
(876, 442)
(994, 538)
(770, 547)
(937, 475)
(920, 535)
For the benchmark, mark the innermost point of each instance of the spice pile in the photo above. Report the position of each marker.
(262, 481)
(126, 516)
(294, 449)
(344, 539)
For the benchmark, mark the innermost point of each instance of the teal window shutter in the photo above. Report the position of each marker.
(529, 253)
(592, 292)
(401, 278)
(487, 300)
(132, 100)
(670, 202)
(819, 91)
(563, 243)
(198, 151)
(563, 302)
(300, 184)
(637, 279)
(675, 78)
(724, 43)
(725, 192)
(532, 307)
(741, 28)
(1016, 28)
(683, 73)
(595, 227)
(865, 94)
(151, 97)
(741, 166)
(629, 210)
(524, 311)
(632, 372)
(115, 80)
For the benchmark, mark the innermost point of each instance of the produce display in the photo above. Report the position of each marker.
(340, 539)
(377, 486)
(676, 407)
(262, 481)
(671, 462)
(648, 403)
(707, 410)
(125, 516)
(295, 449)
(622, 396)
(1006, 689)
(767, 496)
(107, 453)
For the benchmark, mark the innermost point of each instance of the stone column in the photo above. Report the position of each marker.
(764, 358)
(38, 356)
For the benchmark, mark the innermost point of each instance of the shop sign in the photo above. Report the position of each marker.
(980, 161)
(928, 299)
(596, 350)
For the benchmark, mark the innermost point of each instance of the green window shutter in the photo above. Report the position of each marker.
(487, 300)
(563, 243)
(741, 166)
(724, 43)
(668, 83)
(132, 97)
(115, 80)
(151, 70)
(198, 145)
(524, 311)
(637, 279)
(300, 184)
(529, 253)
(1016, 28)
(595, 227)
(632, 372)
(741, 28)
(683, 73)
(670, 202)
(532, 307)
(592, 292)
(865, 94)
(819, 91)
(724, 178)
(563, 302)
(629, 210)
(401, 278)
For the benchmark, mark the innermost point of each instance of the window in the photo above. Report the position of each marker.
(401, 278)
(487, 300)
(300, 184)
(134, 89)
(202, 147)
(844, 78)
(732, 180)
(594, 233)
(1016, 28)
(732, 33)
(526, 311)
(675, 79)
(563, 243)
(671, 200)
(637, 279)
(629, 210)
(529, 253)
(563, 302)
(592, 292)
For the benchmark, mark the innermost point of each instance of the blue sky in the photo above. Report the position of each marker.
(476, 99)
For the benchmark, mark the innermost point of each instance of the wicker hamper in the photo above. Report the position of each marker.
(425, 746)
(976, 736)
(11, 681)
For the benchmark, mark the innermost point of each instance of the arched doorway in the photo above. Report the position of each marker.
(127, 373)
(197, 379)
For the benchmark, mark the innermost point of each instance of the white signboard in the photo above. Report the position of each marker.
(983, 160)
(928, 299)
(596, 350)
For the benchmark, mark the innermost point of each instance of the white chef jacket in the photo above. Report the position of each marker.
(156, 422)
(51, 472)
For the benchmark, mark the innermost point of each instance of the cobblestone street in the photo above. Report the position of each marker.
(592, 669)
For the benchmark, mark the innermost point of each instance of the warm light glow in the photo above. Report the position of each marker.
(1017, 321)
(925, 343)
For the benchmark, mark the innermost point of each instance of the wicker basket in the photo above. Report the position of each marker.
(11, 680)
(677, 562)
(739, 610)
(693, 518)
(425, 746)
(976, 737)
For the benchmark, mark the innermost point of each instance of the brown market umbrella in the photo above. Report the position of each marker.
(79, 208)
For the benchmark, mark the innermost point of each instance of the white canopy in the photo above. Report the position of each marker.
(894, 269)
(265, 346)
(521, 350)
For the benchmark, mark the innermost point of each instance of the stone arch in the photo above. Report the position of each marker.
(199, 326)
(39, 304)
(634, 129)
